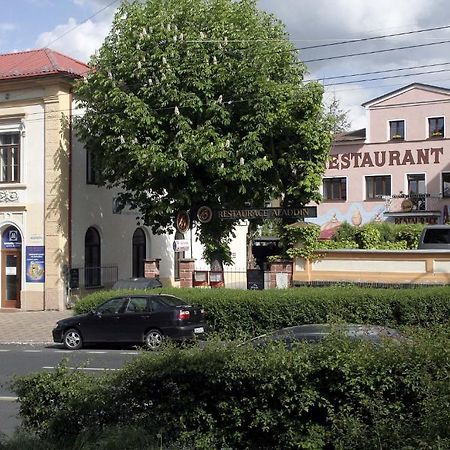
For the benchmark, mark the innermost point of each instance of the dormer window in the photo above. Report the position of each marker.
(397, 129)
(436, 127)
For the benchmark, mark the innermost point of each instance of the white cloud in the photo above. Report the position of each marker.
(312, 22)
(76, 40)
(315, 22)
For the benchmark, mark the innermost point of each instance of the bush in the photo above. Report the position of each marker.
(109, 438)
(234, 313)
(335, 395)
(379, 235)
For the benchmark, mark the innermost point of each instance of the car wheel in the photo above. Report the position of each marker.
(72, 339)
(154, 340)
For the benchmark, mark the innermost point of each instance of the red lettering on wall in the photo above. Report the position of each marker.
(408, 158)
(394, 156)
(437, 152)
(367, 160)
(345, 161)
(333, 163)
(423, 156)
(380, 159)
(356, 157)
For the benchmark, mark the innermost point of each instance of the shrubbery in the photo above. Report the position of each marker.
(233, 313)
(335, 395)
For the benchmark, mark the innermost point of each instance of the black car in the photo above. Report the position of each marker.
(318, 332)
(140, 319)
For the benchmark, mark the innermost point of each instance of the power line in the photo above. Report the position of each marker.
(352, 41)
(422, 66)
(387, 78)
(379, 71)
(30, 58)
(82, 22)
(348, 55)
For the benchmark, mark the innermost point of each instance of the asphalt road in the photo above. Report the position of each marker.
(26, 359)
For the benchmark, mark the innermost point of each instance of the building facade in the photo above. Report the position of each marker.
(397, 169)
(59, 228)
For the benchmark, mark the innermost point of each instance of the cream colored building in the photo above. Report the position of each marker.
(55, 221)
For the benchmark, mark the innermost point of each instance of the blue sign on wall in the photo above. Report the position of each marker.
(11, 238)
(35, 264)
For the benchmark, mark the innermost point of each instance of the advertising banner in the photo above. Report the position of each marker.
(35, 264)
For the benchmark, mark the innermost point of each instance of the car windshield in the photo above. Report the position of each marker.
(172, 301)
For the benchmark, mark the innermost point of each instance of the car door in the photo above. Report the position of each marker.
(162, 316)
(133, 320)
(103, 325)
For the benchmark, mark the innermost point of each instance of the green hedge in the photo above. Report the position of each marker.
(335, 395)
(234, 313)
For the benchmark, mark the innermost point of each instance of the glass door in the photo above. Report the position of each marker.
(11, 278)
(417, 191)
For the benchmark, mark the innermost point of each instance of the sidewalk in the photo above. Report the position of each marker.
(33, 327)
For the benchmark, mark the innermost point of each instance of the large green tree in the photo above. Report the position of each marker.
(202, 102)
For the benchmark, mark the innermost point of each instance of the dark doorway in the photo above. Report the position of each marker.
(139, 253)
(92, 258)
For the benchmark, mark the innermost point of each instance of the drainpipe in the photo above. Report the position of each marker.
(69, 216)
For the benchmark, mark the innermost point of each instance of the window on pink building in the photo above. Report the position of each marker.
(446, 184)
(397, 129)
(377, 186)
(436, 126)
(335, 188)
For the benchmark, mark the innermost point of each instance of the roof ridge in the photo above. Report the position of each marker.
(22, 52)
(66, 56)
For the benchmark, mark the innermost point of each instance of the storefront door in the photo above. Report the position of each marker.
(11, 267)
(11, 278)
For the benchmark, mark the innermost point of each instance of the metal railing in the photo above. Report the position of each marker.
(93, 277)
(240, 278)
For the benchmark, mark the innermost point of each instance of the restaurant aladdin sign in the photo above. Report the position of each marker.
(205, 214)
(267, 213)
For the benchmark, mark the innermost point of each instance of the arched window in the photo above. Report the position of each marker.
(139, 252)
(92, 258)
(177, 256)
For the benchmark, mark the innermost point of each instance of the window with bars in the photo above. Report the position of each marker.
(9, 158)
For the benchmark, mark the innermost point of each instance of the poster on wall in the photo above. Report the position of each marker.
(35, 264)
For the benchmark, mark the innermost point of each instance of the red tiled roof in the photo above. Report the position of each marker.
(37, 63)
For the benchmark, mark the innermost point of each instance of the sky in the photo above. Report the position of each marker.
(78, 27)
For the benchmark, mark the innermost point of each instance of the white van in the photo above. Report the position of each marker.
(435, 237)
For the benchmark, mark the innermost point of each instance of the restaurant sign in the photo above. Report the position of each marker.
(267, 213)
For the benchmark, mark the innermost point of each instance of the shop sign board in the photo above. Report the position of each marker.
(35, 264)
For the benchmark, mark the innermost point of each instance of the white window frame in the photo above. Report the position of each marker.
(427, 126)
(14, 125)
(442, 183)
(364, 190)
(332, 200)
(388, 134)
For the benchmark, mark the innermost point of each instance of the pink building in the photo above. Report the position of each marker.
(398, 168)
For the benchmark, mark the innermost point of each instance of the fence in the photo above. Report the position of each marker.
(242, 278)
(92, 277)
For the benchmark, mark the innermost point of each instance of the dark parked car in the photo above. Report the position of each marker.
(318, 332)
(140, 319)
